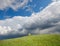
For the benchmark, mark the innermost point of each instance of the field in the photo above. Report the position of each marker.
(33, 40)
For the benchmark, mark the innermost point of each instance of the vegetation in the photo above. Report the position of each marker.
(35, 40)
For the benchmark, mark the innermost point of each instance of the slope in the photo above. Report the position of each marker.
(35, 40)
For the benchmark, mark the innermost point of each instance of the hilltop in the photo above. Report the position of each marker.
(33, 40)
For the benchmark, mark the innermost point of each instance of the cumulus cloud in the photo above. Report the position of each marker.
(14, 4)
(46, 21)
(55, 0)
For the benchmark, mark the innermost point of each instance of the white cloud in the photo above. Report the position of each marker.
(46, 21)
(55, 0)
(14, 4)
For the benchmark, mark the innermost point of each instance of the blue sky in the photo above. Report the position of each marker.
(34, 6)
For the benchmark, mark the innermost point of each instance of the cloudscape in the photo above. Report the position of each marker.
(46, 21)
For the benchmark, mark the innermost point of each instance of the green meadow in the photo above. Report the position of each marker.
(33, 40)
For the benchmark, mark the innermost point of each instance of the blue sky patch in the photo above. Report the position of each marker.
(34, 6)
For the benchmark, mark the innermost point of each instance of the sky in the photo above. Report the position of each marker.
(21, 17)
(27, 10)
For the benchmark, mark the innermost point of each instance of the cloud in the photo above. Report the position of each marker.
(14, 4)
(46, 21)
(55, 0)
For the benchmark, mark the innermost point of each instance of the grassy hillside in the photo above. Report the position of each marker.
(35, 40)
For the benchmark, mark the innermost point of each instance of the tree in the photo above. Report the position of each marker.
(29, 34)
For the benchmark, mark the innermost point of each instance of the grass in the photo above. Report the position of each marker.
(35, 40)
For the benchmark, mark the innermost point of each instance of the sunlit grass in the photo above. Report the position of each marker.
(35, 40)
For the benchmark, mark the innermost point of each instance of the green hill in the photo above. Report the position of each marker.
(35, 40)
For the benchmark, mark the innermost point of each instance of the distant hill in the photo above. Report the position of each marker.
(33, 40)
